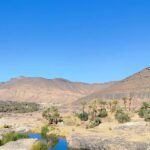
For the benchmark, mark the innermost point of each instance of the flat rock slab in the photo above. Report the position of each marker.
(101, 143)
(23, 144)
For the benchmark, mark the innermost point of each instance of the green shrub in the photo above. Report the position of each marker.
(146, 105)
(1, 143)
(7, 126)
(144, 111)
(141, 112)
(102, 113)
(52, 140)
(39, 146)
(121, 116)
(44, 131)
(21, 135)
(83, 116)
(147, 116)
(12, 136)
(94, 123)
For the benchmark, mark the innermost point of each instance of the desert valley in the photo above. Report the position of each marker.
(75, 75)
(98, 116)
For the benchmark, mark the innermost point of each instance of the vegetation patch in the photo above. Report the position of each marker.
(144, 111)
(12, 136)
(122, 116)
(40, 146)
(147, 116)
(94, 123)
(18, 107)
(7, 126)
(52, 140)
(83, 116)
(52, 115)
(96, 110)
(102, 113)
(44, 130)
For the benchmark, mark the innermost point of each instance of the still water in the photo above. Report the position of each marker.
(61, 145)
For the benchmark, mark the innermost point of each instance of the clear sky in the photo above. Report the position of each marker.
(80, 40)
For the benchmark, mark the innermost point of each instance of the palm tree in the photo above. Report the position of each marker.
(89, 108)
(52, 115)
(110, 104)
(104, 103)
(115, 102)
(94, 109)
(101, 103)
(83, 104)
(130, 102)
(125, 102)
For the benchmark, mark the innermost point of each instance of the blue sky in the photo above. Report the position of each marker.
(80, 40)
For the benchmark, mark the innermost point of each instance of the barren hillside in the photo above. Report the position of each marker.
(46, 90)
(137, 85)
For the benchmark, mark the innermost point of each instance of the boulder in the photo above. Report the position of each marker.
(23, 144)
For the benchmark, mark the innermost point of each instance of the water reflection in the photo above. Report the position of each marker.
(53, 141)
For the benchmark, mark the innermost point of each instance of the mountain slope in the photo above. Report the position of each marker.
(63, 91)
(46, 90)
(137, 85)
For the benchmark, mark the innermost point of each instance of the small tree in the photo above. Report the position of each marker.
(52, 115)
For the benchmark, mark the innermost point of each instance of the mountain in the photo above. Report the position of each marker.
(43, 90)
(137, 85)
(63, 91)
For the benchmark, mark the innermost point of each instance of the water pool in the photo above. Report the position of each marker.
(61, 145)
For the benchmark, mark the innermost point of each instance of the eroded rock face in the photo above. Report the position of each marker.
(101, 143)
(23, 144)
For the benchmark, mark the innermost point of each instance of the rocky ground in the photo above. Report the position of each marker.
(23, 144)
(134, 135)
(105, 143)
(109, 135)
(21, 122)
(125, 137)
